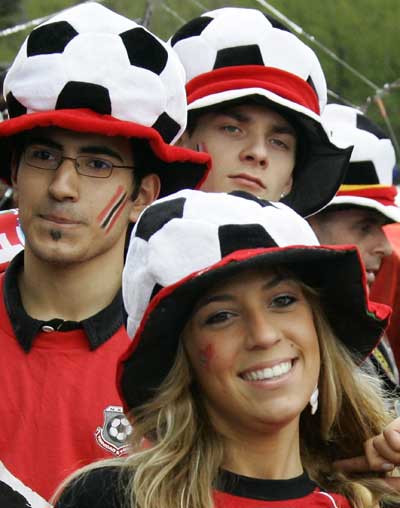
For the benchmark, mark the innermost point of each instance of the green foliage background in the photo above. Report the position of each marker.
(363, 33)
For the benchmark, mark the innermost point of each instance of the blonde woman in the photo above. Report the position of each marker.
(241, 382)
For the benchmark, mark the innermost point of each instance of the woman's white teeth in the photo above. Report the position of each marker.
(268, 373)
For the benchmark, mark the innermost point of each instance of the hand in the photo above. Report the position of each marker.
(382, 454)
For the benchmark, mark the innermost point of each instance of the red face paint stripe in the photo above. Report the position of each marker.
(117, 214)
(120, 190)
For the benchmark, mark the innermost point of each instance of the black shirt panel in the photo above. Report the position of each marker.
(99, 327)
(265, 490)
(98, 489)
(102, 488)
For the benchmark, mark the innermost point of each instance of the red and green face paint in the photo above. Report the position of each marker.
(206, 355)
(113, 209)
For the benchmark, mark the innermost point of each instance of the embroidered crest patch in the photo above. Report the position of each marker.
(114, 433)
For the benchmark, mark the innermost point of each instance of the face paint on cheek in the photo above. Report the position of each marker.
(113, 209)
(201, 147)
(206, 355)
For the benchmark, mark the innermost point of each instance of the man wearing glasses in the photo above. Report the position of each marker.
(86, 151)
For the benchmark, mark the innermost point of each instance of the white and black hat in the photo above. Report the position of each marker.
(369, 178)
(89, 69)
(185, 243)
(232, 54)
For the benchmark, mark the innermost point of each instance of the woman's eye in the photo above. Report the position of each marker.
(283, 301)
(218, 317)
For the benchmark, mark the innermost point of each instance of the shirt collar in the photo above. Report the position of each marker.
(99, 328)
(265, 490)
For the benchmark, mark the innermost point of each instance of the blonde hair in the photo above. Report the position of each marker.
(180, 467)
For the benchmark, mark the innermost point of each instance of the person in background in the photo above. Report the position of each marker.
(94, 101)
(255, 95)
(364, 204)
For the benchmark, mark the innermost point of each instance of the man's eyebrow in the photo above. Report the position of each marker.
(284, 129)
(239, 116)
(37, 140)
(91, 149)
(100, 150)
(95, 149)
(235, 115)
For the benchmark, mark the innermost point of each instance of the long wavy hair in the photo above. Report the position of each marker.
(176, 453)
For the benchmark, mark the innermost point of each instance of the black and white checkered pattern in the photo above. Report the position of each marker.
(234, 36)
(349, 126)
(373, 160)
(191, 230)
(91, 57)
(186, 243)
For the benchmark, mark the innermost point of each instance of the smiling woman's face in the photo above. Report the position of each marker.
(254, 351)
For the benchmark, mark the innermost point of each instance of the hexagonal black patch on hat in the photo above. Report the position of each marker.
(167, 127)
(365, 124)
(51, 38)
(14, 107)
(233, 237)
(144, 50)
(157, 215)
(361, 173)
(240, 55)
(191, 29)
(77, 94)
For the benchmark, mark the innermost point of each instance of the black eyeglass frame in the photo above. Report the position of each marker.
(75, 160)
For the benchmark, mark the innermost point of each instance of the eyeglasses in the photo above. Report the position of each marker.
(87, 165)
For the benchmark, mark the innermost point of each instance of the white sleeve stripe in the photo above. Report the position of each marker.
(334, 505)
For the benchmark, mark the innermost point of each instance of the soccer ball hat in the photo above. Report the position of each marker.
(89, 69)
(235, 54)
(185, 243)
(369, 177)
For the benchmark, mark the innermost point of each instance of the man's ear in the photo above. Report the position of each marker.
(148, 192)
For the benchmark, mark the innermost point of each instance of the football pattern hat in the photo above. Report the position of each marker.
(187, 242)
(369, 177)
(233, 54)
(90, 69)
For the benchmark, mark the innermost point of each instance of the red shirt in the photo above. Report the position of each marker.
(386, 288)
(60, 408)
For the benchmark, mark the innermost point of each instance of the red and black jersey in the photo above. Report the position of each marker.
(100, 489)
(60, 407)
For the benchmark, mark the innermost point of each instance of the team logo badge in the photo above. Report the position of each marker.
(114, 433)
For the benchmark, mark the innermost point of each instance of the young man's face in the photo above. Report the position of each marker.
(360, 226)
(252, 148)
(69, 217)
